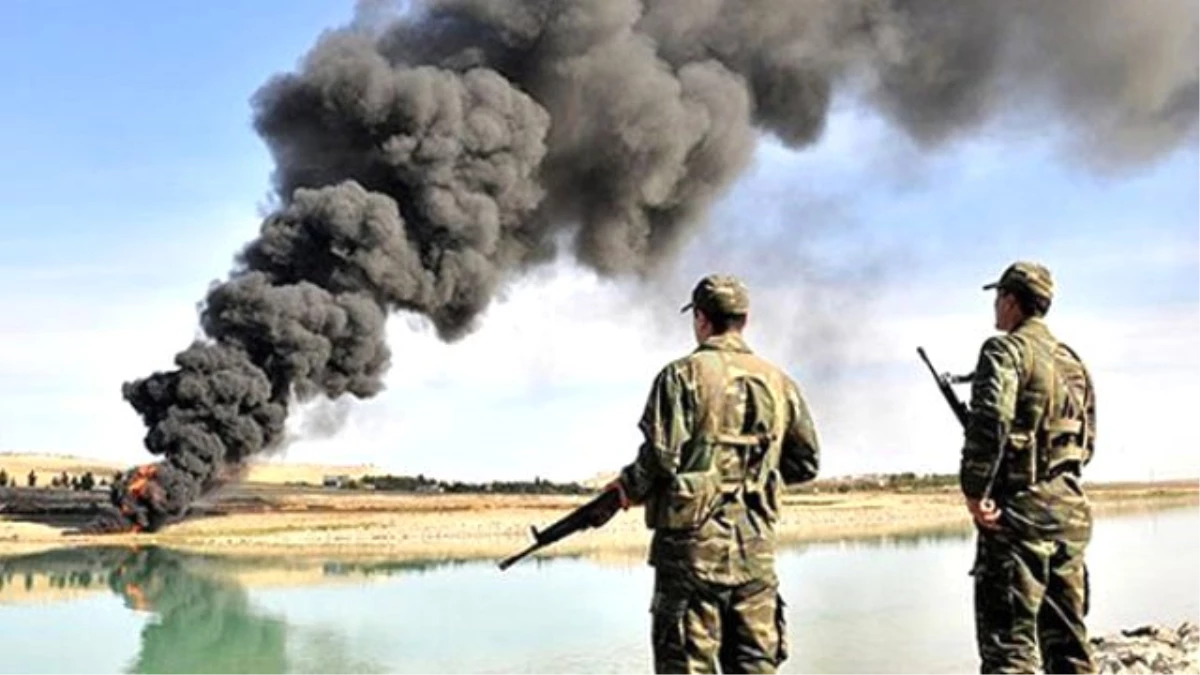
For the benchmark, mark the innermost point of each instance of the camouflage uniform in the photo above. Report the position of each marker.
(1033, 411)
(724, 432)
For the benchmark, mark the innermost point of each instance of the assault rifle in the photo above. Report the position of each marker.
(943, 382)
(582, 518)
(959, 408)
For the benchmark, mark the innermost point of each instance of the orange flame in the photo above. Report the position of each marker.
(136, 597)
(140, 477)
(137, 487)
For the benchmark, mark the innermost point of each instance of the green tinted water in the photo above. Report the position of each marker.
(892, 604)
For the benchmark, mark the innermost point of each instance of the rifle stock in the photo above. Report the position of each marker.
(582, 518)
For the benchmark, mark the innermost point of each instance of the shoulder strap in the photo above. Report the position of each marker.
(1085, 429)
(710, 384)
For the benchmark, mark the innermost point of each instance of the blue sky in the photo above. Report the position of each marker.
(132, 175)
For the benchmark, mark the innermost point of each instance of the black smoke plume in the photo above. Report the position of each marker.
(424, 159)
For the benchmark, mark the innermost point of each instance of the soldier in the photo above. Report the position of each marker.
(724, 432)
(32, 478)
(1031, 430)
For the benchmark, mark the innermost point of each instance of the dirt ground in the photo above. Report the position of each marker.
(317, 522)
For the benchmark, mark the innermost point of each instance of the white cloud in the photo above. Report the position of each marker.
(64, 375)
(1144, 365)
(554, 383)
(71, 332)
(551, 385)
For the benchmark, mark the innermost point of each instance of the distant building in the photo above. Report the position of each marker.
(339, 481)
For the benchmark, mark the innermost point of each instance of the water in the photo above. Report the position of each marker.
(892, 604)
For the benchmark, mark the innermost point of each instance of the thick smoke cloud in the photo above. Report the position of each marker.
(423, 160)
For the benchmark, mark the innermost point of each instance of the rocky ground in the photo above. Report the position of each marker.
(1150, 649)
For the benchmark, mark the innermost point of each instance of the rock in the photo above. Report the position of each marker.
(1150, 649)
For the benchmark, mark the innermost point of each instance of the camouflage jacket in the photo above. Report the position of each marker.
(1032, 404)
(724, 432)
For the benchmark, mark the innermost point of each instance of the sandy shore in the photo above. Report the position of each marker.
(369, 525)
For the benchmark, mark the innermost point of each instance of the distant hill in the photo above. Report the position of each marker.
(46, 465)
(277, 472)
(270, 471)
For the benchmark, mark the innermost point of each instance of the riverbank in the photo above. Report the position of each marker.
(278, 520)
(1150, 649)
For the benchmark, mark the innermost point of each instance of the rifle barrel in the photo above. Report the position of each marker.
(925, 358)
(512, 560)
(582, 518)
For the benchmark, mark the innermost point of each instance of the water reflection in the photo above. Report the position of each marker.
(202, 619)
(904, 540)
(889, 603)
(76, 569)
(387, 568)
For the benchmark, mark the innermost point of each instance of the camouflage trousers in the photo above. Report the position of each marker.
(1031, 596)
(698, 626)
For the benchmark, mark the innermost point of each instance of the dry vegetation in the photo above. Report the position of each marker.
(264, 514)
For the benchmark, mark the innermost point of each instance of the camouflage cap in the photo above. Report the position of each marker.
(1027, 276)
(720, 294)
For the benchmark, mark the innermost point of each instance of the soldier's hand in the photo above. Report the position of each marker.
(599, 518)
(985, 513)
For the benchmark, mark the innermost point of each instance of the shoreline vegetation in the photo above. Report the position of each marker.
(421, 522)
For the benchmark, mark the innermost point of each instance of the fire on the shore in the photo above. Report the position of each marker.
(139, 484)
